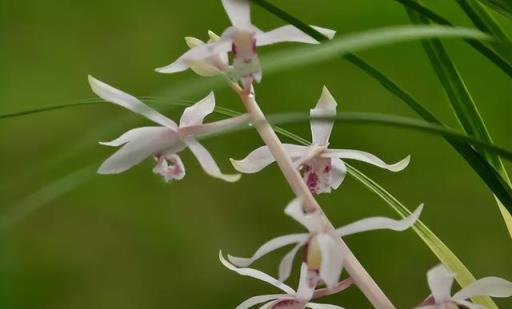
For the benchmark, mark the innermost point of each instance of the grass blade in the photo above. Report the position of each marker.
(502, 6)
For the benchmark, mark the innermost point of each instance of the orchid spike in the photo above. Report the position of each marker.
(323, 169)
(440, 281)
(242, 40)
(163, 142)
(321, 251)
(299, 299)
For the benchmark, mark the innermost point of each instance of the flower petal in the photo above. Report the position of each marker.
(267, 247)
(380, 223)
(286, 264)
(131, 135)
(368, 158)
(194, 115)
(312, 221)
(239, 12)
(253, 273)
(116, 96)
(329, 33)
(290, 33)
(262, 157)
(322, 306)
(338, 173)
(488, 286)
(468, 305)
(440, 281)
(332, 263)
(136, 150)
(321, 130)
(208, 163)
(306, 289)
(258, 300)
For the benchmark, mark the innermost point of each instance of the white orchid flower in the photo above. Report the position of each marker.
(212, 65)
(299, 299)
(323, 169)
(242, 39)
(440, 281)
(322, 254)
(164, 141)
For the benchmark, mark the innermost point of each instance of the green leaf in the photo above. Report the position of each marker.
(502, 6)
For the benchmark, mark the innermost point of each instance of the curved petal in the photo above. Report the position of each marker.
(329, 33)
(290, 33)
(239, 12)
(321, 129)
(488, 286)
(116, 96)
(306, 289)
(368, 158)
(267, 247)
(258, 300)
(253, 273)
(194, 115)
(208, 163)
(440, 281)
(322, 306)
(131, 135)
(338, 173)
(136, 150)
(312, 221)
(332, 263)
(286, 264)
(262, 157)
(380, 223)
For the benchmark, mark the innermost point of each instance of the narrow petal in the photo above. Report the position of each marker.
(136, 150)
(329, 33)
(330, 269)
(267, 247)
(194, 115)
(116, 96)
(488, 286)
(321, 130)
(312, 221)
(322, 306)
(306, 289)
(380, 223)
(440, 281)
(338, 173)
(193, 42)
(258, 300)
(368, 158)
(239, 12)
(131, 135)
(286, 33)
(208, 163)
(256, 274)
(286, 264)
(262, 157)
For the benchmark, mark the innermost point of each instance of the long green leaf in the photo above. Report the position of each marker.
(502, 6)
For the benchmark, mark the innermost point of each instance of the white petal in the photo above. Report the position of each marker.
(286, 33)
(380, 223)
(326, 106)
(136, 150)
(330, 269)
(338, 173)
(239, 12)
(131, 135)
(253, 273)
(193, 42)
(262, 157)
(286, 264)
(488, 286)
(208, 163)
(329, 33)
(116, 96)
(194, 115)
(267, 247)
(322, 306)
(469, 305)
(440, 281)
(258, 300)
(368, 158)
(430, 307)
(305, 290)
(312, 221)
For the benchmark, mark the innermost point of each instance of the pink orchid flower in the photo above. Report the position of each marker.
(242, 40)
(322, 253)
(440, 281)
(164, 141)
(323, 169)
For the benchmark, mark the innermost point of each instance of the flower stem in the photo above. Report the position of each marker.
(354, 268)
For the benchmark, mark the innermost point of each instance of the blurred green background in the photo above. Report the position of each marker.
(132, 241)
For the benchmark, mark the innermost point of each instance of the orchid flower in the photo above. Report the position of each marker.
(212, 65)
(322, 254)
(242, 39)
(440, 281)
(323, 169)
(164, 141)
(299, 299)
